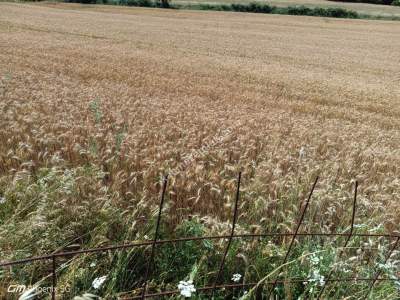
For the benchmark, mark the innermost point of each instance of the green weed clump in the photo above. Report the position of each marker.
(143, 3)
(256, 7)
(320, 12)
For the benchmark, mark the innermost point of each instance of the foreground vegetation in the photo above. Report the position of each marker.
(94, 116)
(65, 209)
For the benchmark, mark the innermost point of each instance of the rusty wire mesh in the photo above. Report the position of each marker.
(216, 285)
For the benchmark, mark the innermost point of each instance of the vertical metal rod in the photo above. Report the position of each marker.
(221, 266)
(54, 278)
(378, 273)
(153, 245)
(353, 215)
(296, 232)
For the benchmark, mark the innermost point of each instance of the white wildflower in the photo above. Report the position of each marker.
(92, 264)
(353, 258)
(315, 276)
(2, 200)
(186, 288)
(236, 277)
(98, 282)
(314, 260)
(322, 280)
(302, 152)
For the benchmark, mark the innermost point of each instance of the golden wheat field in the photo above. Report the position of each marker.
(143, 92)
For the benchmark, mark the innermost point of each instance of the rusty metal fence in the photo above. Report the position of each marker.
(394, 238)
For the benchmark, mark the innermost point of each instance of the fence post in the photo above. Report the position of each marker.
(353, 215)
(295, 233)
(221, 266)
(54, 278)
(378, 273)
(153, 245)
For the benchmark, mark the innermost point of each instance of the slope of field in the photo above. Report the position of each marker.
(170, 81)
(99, 102)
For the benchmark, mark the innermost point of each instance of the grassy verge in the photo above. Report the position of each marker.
(254, 7)
(291, 10)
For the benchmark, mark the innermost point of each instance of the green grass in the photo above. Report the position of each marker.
(360, 8)
(41, 212)
(302, 10)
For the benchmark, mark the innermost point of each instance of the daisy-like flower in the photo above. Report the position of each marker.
(186, 288)
(236, 277)
(98, 282)
(302, 153)
(2, 200)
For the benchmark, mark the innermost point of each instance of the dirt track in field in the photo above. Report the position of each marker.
(172, 80)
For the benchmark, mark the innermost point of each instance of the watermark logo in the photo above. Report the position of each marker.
(16, 288)
(21, 288)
